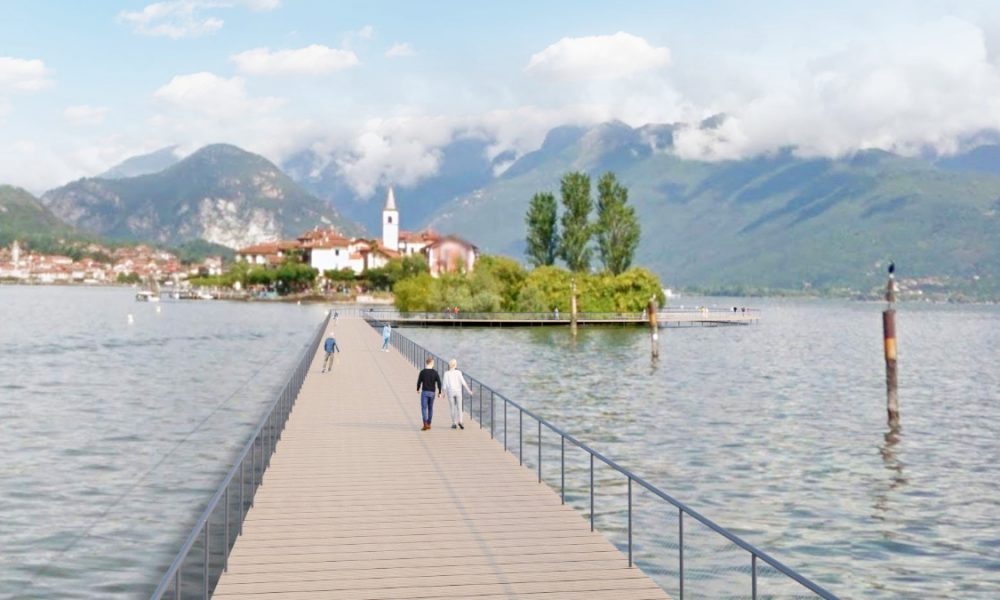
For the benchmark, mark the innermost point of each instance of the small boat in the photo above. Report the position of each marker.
(150, 294)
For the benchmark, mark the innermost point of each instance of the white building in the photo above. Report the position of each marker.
(390, 223)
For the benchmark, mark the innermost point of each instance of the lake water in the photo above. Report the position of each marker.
(778, 431)
(115, 435)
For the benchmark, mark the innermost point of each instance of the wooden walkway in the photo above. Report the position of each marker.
(664, 319)
(359, 504)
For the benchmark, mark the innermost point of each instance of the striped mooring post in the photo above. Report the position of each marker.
(654, 333)
(889, 339)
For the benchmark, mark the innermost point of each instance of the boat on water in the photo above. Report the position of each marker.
(151, 293)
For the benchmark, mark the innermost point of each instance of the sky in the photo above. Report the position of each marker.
(379, 88)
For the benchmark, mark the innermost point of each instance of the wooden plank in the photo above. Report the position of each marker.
(359, 504)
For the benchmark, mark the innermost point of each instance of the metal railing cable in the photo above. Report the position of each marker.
(204, 555)
(487, 399)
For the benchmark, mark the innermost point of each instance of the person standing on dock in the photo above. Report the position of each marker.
(428, 384)
(330, 345)
(386, 334)
(454, 381)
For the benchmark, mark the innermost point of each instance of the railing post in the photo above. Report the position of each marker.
(562, 468)
(591, 491)
(253, 469)
(492, 414)
(630, 522)
(225, 545)
(207, 527)
(753, 576)
(480, 406)
(520, 436)
(177, 583)
(539, 451)
(680, 547)
(243, 465)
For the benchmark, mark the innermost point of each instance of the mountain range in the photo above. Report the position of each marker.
(777, 220)
(220, 194)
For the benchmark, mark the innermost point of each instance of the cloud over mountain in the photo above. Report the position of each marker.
(314, 59)
(598, 57)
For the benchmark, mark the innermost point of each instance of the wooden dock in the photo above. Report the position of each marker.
(665, 319)
(359, 504)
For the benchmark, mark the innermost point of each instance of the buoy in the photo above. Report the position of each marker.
(131, 319)
(299, 303)
(158, 308)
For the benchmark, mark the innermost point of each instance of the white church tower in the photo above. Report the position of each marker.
(390, 223)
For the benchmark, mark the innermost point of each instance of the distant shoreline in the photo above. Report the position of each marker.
(676, 300)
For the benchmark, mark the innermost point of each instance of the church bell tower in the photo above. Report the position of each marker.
(390, 223)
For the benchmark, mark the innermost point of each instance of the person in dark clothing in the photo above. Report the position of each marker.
(330, 346)
(429, 385)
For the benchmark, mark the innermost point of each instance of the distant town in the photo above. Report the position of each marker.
(129, 264)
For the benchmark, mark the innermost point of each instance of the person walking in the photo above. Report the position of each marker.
(454, 381)
(330, 345)
(386, 334)
(428, 384)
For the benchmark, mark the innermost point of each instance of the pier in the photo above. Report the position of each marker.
(664, 318)
(338, 494)
(358, 503)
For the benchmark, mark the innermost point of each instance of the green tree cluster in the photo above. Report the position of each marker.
(501, 284)
(616, 229)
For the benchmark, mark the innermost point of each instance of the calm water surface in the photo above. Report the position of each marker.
(778, 431)
(115, 435)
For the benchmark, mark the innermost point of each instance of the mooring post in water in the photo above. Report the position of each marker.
(654, 333)
(572, 307)
(889, 337)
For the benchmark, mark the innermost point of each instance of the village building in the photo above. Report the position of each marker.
(326, 249)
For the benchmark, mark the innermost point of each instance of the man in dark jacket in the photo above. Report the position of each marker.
(330, 346)
(429, 385)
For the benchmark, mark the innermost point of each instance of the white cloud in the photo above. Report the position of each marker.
(399, 50)
(27, 75)
(904, 90)
(186, 18)
(598, 57)
(311, 60)
(4, 109)
(213, 96)
(364, 34)
(83, 115)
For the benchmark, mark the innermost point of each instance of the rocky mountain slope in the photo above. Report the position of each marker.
(220, 194)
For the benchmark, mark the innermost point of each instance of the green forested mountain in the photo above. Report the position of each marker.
(23, 217)
(770, 221)
(219, 194)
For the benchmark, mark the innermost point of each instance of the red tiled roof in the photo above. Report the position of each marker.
(270, 247)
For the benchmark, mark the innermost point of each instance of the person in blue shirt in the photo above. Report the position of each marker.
(330, 346)
(386, 333)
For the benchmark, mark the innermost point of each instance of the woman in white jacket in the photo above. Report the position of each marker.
(454, 381)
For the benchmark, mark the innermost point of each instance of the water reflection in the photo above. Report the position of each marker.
(897, 479)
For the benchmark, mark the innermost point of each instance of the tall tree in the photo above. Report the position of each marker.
(574, 247)
(543, 239)
(617, 226)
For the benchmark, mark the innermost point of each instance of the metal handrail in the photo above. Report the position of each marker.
(416, 354)
(265, 436)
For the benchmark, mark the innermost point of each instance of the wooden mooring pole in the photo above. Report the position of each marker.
(654, 332)
(572, 307)
(889, 339)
